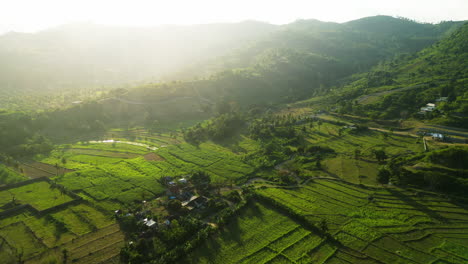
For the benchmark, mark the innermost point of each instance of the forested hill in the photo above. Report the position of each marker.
(88, 55)
(398, 88)
(357, 44)
(85, 55)
(272, 77)
(275, 77)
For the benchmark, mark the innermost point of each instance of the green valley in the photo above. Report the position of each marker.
(310, 142)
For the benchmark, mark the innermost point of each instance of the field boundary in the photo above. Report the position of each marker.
(9, 212)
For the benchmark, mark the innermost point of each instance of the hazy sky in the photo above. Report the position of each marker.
(33, 15)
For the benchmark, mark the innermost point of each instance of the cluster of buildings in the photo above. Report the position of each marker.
(181, 189)
(178, 189)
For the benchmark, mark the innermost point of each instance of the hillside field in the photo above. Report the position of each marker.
(395, 226)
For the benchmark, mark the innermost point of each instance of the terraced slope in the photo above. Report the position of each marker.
(382, 225)
(101, 246)
(260, 234)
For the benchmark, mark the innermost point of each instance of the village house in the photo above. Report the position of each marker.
(438, 136)
(428, 108)
(195, 202)
(151, 223)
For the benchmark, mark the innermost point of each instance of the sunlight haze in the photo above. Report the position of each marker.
(30, 15)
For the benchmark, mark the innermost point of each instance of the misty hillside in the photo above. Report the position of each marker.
(358, 44)
(87, 55)
(83, 55)
(403, 85)
(311, 142)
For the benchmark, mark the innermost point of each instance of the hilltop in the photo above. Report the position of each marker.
(398, 88)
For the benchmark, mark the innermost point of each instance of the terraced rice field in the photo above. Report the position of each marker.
(36, 169)
(26, 234)
(377, 225)
(125, 173)
(362, 170)
(101, 246)
(260, 234)
(40, 195)
(221, 163)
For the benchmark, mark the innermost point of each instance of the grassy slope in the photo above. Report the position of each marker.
(393, 228)
(258, 235)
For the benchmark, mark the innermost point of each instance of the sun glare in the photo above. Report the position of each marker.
(42, 14)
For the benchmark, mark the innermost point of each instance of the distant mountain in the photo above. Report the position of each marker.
(88, 55)
(358, 44)
(83, 55)
(286, 70)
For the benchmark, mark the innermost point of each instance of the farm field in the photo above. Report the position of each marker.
(221, 163)
(385, 225)
(26, 233)
(40, 195)
(366, 224)
(95, 247)
(123, 173)
(364, 169)
(260, 234)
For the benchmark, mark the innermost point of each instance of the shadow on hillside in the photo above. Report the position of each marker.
(232, 143)
(368, 160)
(233, 231)
(331, 174)
(351, 143)
(408, 200)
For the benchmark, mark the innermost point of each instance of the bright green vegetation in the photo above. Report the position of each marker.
(400, 87)
(40, 195)
(29, 235)
(219, 161)
(22, 239)
(323, 183)
(122, 175)
(9, 176)
(102, 245)
(365, 168)
(259, 234)
(25, 233)
(385, 225)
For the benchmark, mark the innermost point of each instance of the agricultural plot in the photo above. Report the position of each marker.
(78, 157)
(38, 169)
(94, 247)
(40, 195)
(25, 234)
(124, 173)
(364, 168)
(220, 162)
(381, 225)
(19, 239)
(126, 181)
(365, 140)
(262, 235)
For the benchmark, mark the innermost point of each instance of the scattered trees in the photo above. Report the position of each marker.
(380, 155)
(383, 176)
(200, 178)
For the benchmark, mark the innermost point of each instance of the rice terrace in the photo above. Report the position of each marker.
(203, 140)
(335, 212)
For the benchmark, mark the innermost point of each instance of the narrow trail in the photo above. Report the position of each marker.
(124, 142)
